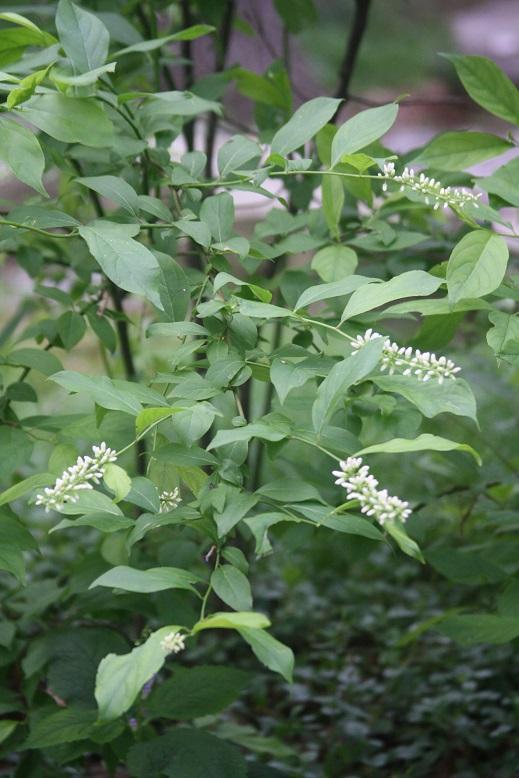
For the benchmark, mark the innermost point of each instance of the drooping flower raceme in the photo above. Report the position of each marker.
(170, 500)
(432, 190)
(409, 361)
(76, 478)
(362, 486)
(173, 643)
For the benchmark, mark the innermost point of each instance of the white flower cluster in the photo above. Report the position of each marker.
(362, 486)
(422, 364)
(432, 189)
(76, 478)
(170, 500)
(173, 643)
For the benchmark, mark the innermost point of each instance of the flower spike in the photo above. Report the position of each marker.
(362, 486)
(433, 190)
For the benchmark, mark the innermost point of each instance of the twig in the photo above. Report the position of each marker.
(360, 20)
(222, 45)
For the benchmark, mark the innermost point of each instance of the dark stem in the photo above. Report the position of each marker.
(188, 129)
(360, 20)
(222, 47)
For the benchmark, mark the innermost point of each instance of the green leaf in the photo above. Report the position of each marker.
(402, 539)
(144, 493)
(198, 231)
(63, 726)
(334, 289)
(82, 35)
(126, 262)
(235, 152)
(100, 389)
(186, 753)
(121, 677)
(27, 485)
(236, 507)
(197, 691)
(287, 376)
(232, 587)
(423, 442)
(91, 502)
(465, 567)
(333, 263)
(173, 287)
(104, 522)
(71, 328)
(270, 652)
(189, 34)
(332, 192)
(260, 429)
(151, 416)
(69, 119)
(304, 124)
(460, 150)
(289, 490)
(117, 480)
(35, 359)
(26, 88)
(477, 265)
(185, 456)
(350, 525)
(414, 283)
(247, 619)
(156, 579)
(432, 398)
(217, 212)
(479, 628)
(343, 375)
(63, 78)
(114, 188)
(488, 86)
(503, 182)
(362, 129)
(21, 152)
(11, 560)
(258, 310)
(503, 337)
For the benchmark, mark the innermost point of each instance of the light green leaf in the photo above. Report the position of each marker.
(35, 359)
(27, 485)
(271, 652)
(198, 231)
(217, 212)
(156, 579)
(91, 502)
(235, 152)
(503, 337)
(69, 119)
(362, 129)
(26, 88)
(104, 522)
(304, 124)
(240, 620)
(334, 289)
(100, 389)
(423, 442)
(117, 480)
(503, 182)
(126, 262)
(61, 726)
(257, 310)
(65, 78)
(82, 35)
(21, 152)
(114, 188)
(145, 494)
(260, 429)
(343, 375)
(121, 677)
(332, 194)
(477, 265)
(488, 86)
(414, 283)
(333, 263)
(460, 150)
(402, 539)
(189, 34)
(232, 587)
(151, 416)
(431, 398)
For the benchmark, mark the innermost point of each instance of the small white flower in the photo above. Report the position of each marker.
(170, 500)
(362, 486)
(77, 477)
(432, 189)
(173, 643)
(423, 365)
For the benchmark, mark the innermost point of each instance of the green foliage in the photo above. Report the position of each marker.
(201, 385)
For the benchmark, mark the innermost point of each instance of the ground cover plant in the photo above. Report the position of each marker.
(218, 442)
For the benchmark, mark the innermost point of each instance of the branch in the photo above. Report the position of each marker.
(360, 20)
(222, 45)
